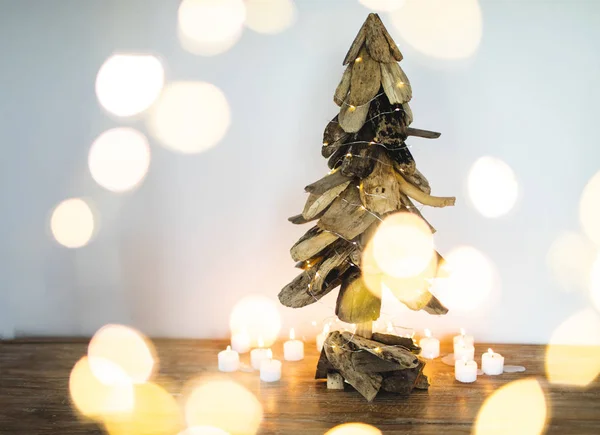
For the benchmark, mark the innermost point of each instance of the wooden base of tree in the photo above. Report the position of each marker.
(385, 362)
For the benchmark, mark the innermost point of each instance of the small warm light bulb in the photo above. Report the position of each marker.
(292, 334)
(377, 349)
(358, 59)
(427, 333)
(325, 144)
(349, 155)
(314, 323)
(261, 342)
(352, 108)
(400, 84)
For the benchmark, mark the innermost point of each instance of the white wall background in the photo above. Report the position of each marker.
(202, 231)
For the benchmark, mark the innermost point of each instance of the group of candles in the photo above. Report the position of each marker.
(261, 358)
(465, 367)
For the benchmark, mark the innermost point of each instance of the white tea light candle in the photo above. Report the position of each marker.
(322, 336)
(270, 370)
(492, 363)
(464, 352)
(293, 350)
(240, 341)
(229, 360)
(465, 371)
(259, 354)
(464, 339)
(430, 346)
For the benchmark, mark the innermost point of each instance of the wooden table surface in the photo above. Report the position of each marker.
(34, 396)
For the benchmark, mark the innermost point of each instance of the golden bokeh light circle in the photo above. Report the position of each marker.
(72, 223)
(440, 28)
(127, 84)
(190, 117)
(258, 316)
(223, 404)
(125, 347)
(270, 16)
(119, 159)
(493, 187)
(354, 429)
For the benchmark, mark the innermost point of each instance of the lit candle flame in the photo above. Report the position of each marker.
(462, 331)
(390, 327)
(326, 329)
(292, 334)
(270, 354)
(490, 351)
(228, 348)
(261, 343)
(427, 333)
(464, 360)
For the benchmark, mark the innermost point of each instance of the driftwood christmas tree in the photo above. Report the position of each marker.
(373, 174)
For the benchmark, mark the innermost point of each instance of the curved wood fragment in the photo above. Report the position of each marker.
(355, 302)
(398, 355)
(365, 81)
(357, 44)
(425, 199)
(395, 83)
(317, 203)
(311, 243)
(376, 42)
(380, 190)
(326, 183)
(341, 91)
(352, 118)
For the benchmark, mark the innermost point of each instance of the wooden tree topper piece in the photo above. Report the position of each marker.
(366, 79)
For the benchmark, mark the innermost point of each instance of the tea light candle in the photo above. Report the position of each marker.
(464, 351)
(293, 350)
(465, 371)
(322, 336)
(463, 339)
(492, 363)
(259, 354)
(270, 370)
(430, 347)
(240, 341)
(229, 360)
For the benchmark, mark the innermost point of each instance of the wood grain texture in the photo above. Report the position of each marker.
(34, 393)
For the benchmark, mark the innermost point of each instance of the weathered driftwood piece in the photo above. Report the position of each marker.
(352, 118)
(358, 162)
(357, 44)
(393, 47)
(395, 354)
(422, 382)
(380, 191)
(365, 80)
(368, 363)
(335, 381)
(298, 219)
(417, 179)
(402, 381)
(317, 280)
(339, 354)
(376, 42)
(323, 366)
(334, 137)
(407, 114)
(425, 199)
(335, 259)
(311, 243)
(326, 183)
(395, 83)
(317, 203)
(346, 216)
(337, 157)
(341, 91)
(355, 302)
(403, 158)
(426, 302)
(417, 132)
(395, 340)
